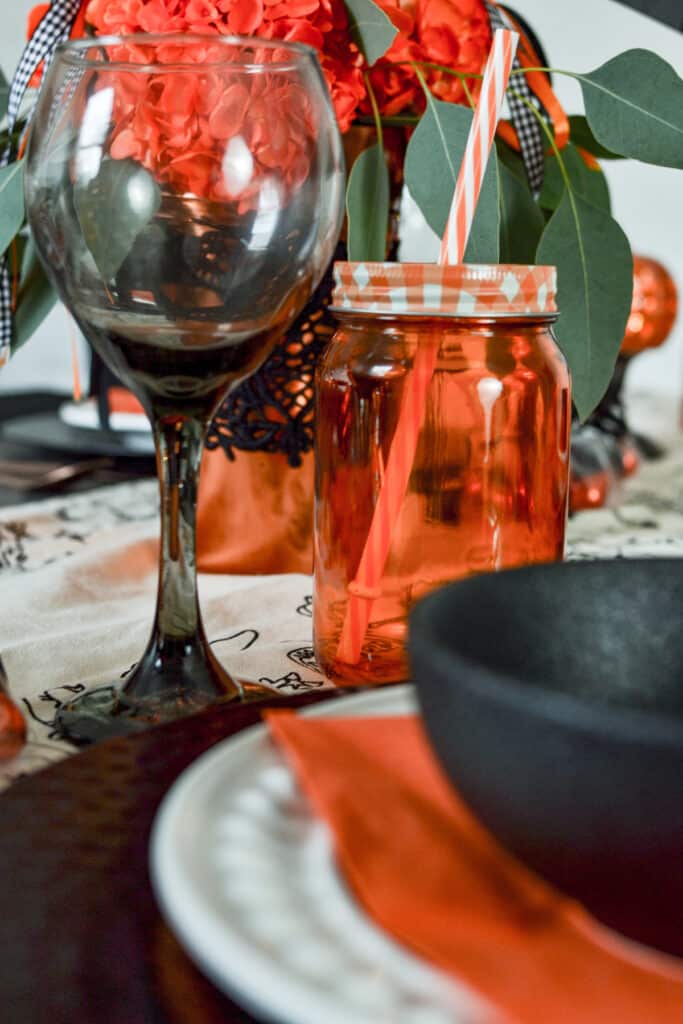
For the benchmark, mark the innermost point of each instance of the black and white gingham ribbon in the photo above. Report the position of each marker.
(526, 125)
(54, 28)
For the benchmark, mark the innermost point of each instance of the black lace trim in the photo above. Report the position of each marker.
(273, 411)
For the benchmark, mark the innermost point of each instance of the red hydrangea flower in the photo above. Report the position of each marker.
(322, 24)
(152, 122)
(455, 33)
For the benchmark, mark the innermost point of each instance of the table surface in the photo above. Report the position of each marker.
(81, 936)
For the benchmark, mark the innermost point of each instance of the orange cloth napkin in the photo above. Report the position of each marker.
(255, 514)
(431, 876)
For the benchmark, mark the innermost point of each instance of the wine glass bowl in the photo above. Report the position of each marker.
(185, 194)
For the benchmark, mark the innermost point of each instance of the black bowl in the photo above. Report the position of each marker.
(553, 697)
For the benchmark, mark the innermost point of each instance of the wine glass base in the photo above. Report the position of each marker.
(106, 712)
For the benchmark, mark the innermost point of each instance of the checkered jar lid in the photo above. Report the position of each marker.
(427, 289)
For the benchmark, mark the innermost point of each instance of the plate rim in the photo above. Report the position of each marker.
(229, 969)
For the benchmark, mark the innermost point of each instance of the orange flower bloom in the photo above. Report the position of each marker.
(457, 34)
(151, 117)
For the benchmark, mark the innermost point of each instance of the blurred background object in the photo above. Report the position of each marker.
(655, 304)
(668, 11)
(606, 448)
(653, 316)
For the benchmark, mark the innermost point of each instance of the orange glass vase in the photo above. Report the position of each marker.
(12, 723)
(489, 479)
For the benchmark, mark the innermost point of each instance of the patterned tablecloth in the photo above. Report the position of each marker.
(79, 580)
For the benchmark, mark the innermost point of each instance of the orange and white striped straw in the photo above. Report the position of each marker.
(399, 466)
(479, 143)
(365, 586)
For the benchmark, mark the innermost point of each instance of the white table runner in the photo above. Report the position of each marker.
(78, 584)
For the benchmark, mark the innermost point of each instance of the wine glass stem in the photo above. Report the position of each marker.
(179, 441)
(178, 666)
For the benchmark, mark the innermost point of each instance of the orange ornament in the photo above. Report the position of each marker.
(655, 303)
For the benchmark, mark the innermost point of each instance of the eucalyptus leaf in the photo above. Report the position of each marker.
(113, 209)
(27, 252)
(512, 160)
(4, 95)
(588, 182)
(372, 30)
(581, 135)
(595, 286)
(367, 206)
(432, 162)
(634, 106)
(521, 221)
(11, 202)
(35, 299)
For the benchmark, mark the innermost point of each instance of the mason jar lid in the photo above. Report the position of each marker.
(427, 289)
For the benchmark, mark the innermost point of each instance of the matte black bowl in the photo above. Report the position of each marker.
(553, 696)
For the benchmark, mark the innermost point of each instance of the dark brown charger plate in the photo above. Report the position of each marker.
(80, 933)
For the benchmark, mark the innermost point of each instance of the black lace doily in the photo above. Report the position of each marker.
(273, 411)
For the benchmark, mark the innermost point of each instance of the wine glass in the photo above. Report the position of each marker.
(185, 194)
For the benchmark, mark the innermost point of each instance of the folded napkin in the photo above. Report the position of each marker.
(431, 876)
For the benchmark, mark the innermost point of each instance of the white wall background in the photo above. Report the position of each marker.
(647, 201)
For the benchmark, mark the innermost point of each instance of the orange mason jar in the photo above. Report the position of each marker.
(442, 447)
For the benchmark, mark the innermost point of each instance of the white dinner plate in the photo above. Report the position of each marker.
(245, 876)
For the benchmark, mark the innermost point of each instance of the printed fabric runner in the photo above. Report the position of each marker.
(79, 583)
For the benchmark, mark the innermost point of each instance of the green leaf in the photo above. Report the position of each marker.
(372, 30)
(35, 299)
(113, 209)
(11, 202)
(589, 183)
(433, 159)
(634, 105)
(521, 221)
(581, 135)
(595, 286)
(4, 95)
(512, 160)
(367, 206)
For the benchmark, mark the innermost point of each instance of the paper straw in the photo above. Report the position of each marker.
(364, 587)
(479, 143)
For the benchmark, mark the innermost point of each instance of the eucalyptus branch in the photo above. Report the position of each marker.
(375, 111)
(545, 71)
(468, 93)
(392, 121)
(431, 66)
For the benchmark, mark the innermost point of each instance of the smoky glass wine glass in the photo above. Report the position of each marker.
(185, 195)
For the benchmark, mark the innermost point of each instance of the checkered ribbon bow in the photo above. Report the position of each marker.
(53, 29)
(526, 125)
